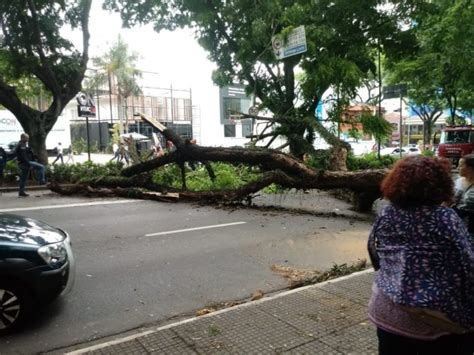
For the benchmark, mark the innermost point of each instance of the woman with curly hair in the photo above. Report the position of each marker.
(423, 294)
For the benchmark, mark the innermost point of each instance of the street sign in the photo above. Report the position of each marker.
(295, 43)
(85, 105)
(253, 110)
(394, 91)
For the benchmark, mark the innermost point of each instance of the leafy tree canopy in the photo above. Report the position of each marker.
(238, 37)
(34, 54)
(439, 73)
(118, 64)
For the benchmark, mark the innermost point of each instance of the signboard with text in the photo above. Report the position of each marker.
(394, 91)
(293, 45)
(85, 105)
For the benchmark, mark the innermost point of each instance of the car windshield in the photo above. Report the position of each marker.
(457, 137)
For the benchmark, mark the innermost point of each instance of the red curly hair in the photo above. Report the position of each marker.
(419, 180)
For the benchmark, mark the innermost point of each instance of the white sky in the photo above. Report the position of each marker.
(175, 56)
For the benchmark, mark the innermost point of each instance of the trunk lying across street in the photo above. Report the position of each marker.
(277, 167)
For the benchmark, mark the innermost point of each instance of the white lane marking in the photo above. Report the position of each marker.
(212, 314)
(194, 229)
(68, 206)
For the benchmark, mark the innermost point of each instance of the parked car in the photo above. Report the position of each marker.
(395, 151)
(412, 150)
(392, 151)
(36, 266)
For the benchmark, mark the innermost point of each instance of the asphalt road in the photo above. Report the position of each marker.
(132, 272)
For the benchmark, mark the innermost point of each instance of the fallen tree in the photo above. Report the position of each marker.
(275, 166)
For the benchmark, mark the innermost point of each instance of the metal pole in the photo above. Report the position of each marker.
(110, 97)
(380, 84)
(191, 111)
(380, 96)
(98, 117)
(172, 104)
(88, 139)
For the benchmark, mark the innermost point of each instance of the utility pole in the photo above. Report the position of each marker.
(98, 114)
(110, 97)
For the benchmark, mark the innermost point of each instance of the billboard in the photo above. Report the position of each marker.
(10, 130)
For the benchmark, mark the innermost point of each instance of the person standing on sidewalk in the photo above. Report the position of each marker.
(25, 158)
(70, 155)
(59, 153)
(423, 294)
(464, 191)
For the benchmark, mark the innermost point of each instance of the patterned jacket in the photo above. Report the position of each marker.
(425, 258)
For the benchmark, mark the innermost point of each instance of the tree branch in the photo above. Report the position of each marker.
(50, 77)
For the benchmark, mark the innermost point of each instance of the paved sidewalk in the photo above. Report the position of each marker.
(327, 318)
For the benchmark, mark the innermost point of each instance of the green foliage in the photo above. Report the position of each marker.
(354, 133)
(376, 126)
(428, 153)
(10, 171)
(319, 160)
(439, 73)
(369, 161)
(79, 145)
(115, 133)
(341, 36)
(274, 189)
(74, 173)
(118, 66)
(227, 177)
(213, 330)
(34, 56)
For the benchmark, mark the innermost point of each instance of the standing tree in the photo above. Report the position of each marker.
(238, 37)
(377, 127)
(117, 67)
(33, 50)
(424, 96)
(439, 73)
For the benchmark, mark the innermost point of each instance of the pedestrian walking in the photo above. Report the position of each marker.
(124, 153)
(422, 297)
(59, 153)
(70, 155)
(25, 158)
(464, 191)
(116, 151)
(156, 151)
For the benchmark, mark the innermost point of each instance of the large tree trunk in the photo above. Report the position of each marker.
(276, 167)
(38, 144)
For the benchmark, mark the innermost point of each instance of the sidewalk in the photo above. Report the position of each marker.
(327, 318)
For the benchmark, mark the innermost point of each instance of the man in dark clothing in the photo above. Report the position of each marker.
(25, 157)
(3, 162)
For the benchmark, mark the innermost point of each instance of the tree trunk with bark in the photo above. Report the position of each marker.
(276, 167)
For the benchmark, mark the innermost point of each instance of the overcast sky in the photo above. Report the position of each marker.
(175, 56)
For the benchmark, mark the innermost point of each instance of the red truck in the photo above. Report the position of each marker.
(455, 142)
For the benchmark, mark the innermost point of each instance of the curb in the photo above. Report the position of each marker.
(29, 188)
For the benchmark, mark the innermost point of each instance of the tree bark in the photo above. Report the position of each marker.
(276, 167)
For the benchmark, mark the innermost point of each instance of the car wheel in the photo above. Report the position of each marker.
(15, 304)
